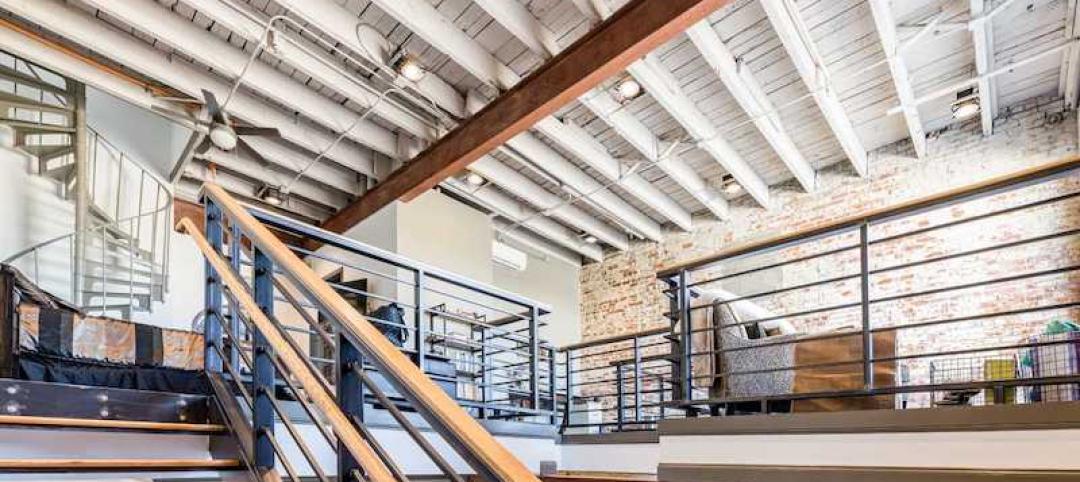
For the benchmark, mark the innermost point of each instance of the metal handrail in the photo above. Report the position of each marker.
(347, 434)
(463, 432)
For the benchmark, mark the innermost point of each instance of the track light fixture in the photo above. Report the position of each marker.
(410, 68)
(272, 195)
(627, 89)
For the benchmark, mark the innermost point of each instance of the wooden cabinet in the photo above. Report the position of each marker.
(846, 376)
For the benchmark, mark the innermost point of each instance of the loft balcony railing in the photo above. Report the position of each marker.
(924, 304)
(276, 331)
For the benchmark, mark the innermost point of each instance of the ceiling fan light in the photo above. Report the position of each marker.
(223, 137)
(410, 68)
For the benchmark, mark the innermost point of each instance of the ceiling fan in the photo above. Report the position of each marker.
(227, 136)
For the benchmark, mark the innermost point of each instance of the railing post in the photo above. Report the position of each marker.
(234, 328)
(620, 406)
(419, 333)
(263, 373)
(534, 356)
(637, 380)
(350, 396)
(569, 389)
(552, 386)
(867, 335)
(485, 377)
(212, 295)
(685, 334)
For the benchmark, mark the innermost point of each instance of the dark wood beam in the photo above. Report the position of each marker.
(635, 30)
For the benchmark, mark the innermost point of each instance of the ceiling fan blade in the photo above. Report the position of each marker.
(204, 145)
(256, 131)
(214, 108)
(245, 149)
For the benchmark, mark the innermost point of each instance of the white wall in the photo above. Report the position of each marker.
(554, 282)
(152, 139)
(31, 211)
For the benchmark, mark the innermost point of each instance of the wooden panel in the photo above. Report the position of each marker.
(846, 376)
(635, 30)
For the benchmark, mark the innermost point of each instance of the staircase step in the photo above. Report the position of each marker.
(86, 423)
(62, 173)
(598, 477)
(48, 151)
(73, 465)
(36, 128)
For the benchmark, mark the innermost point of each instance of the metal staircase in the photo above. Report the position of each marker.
(114, 261)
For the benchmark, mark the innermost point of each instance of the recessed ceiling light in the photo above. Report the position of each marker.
(410, 68)
(474, 179)
(591, 239)
(273, 196)
(966, 105)
(627, 89)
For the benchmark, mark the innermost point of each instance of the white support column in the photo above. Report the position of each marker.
(1070, 66)
(664, 87)
(886, 27)
(793, 33)
(751, 97)
(982, 31)
(93, 34)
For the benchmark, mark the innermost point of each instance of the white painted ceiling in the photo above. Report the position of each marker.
(843, 34)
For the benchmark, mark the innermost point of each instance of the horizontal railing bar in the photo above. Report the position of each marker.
(346, 264)
(769, 266)
(614, 339)
(1028, 176)
(987, 249)
(891, 390)
(977, 217)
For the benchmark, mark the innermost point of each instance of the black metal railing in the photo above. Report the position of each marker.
(275, 332)
(963, 298)
(621, 383)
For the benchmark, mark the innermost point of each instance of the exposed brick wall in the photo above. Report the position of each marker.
(621, 294)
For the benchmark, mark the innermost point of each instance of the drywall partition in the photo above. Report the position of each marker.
(151, 138)
(551, 281)
(33, 210)
(623, 452)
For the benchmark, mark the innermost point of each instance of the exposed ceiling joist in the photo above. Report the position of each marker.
(517, 19)
(513, 210)
(662, 85)
(638, 28)
(982, 31)
(638, 135)
(583, 184)
(340, 24)
(1070, 64)
(886, 28)
(312, 60)
(255, 170)
(550, 204)
(534, 34)
(125, 49)
(584, 146)
(186, 37)
(751, 97)
(794, 34)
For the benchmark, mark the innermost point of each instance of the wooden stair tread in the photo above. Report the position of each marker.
(29, 421)
(117, 464)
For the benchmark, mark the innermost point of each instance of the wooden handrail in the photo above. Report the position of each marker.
(441, 410)
(998, 182)
(347, 434)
